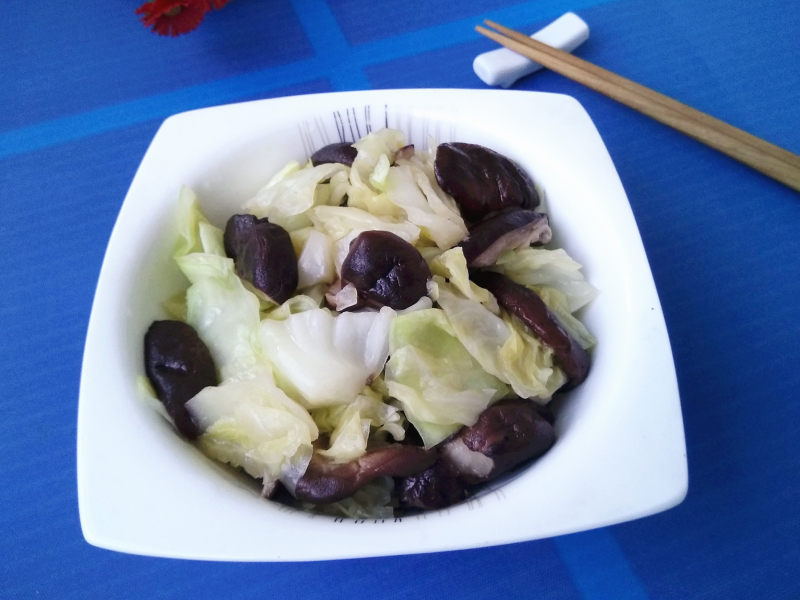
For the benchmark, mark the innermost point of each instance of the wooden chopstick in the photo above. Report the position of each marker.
(767, 158)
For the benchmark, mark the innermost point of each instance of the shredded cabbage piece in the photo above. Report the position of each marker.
(286, 201)
(315, 260)
(451, 266)
(351, 425)
(252, 424)
(408, 187)
(558, 304)
(501, 345)
(544, 267)
(438, 383)
(325, 359)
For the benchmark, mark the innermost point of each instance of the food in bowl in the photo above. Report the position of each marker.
(378, 331)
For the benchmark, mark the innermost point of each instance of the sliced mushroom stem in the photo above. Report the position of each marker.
(325, 481)
(526, 305)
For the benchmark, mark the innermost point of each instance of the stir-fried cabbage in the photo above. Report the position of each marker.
(383, 143)
(315, 260)
(408, 187)
(302, 377)
(286, 201)
(451, 266)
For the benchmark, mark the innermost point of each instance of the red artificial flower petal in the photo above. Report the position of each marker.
(173, 17)
(217, 4)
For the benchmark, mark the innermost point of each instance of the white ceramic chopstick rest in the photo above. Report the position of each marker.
(503, 66)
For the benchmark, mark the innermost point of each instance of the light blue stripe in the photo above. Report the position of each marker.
(598, 567)
(329, 43)
(159, 106)
(332, 52)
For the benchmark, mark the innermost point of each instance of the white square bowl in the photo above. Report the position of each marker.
(620, 453)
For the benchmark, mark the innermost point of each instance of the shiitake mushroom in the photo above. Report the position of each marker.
(526, 304)
(178, 365)
(438, 486)
(482, 181)
(385, 270)
(340, 152)
(262, 254)
(506, 435)
(326, 481)
(510, 229)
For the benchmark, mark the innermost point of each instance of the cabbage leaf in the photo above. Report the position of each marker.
(195, 232)
(252, 424)
(558, 304)
(552, 268)
(323, 358)
(408, 187)
(439, 385)
(225, 314)
(502, 345)
(352, 424)
(286, 201)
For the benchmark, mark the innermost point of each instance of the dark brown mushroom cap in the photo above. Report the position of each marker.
(385, 270)
(481, 180)
(263, 255)
(509, 432)
(340, 152)
(506, 435)
(438, 486)
(178, 365)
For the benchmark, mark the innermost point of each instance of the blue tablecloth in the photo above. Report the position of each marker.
(85, 86)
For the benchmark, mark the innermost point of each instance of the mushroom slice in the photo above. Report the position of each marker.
(340, 152)
(526, 304)
(325, 482)
(438, 486)
(515, 228)
(505, 435)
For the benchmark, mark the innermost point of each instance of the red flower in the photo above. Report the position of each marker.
(217, 4)
(174, 17)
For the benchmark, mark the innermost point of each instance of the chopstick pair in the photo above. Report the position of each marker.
(767, 158)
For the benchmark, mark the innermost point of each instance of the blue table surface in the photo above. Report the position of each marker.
(85, 87)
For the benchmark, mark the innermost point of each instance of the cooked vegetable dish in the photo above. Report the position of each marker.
(377, 331)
